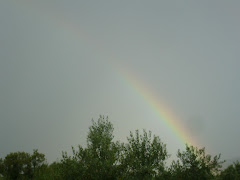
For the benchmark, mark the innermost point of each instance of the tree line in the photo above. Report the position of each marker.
(143, 157)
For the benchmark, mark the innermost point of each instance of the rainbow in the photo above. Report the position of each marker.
(134, 82)
(162, 111)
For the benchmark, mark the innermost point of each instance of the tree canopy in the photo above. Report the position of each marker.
(194, 163)
(21, 165)
(142, 157)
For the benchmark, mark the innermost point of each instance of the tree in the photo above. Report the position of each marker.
(37, 161)
(144, 157)
(1, 167)
(232, 172)
(20, 165)
(49, 172)
(103, 151)
(17, 165)
(74, 167)
(54, 171)
(195, 164)
(97, 161)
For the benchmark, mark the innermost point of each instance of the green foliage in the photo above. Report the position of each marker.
(232, 172)
(1, 167)
(17, 165)
(21, 165)
(73, 167)
(194, 164)
(103, 151)
(143, 156)
(97, 161)
(49, 172)
(37, 160)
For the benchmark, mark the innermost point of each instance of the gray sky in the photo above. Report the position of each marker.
(59, 68)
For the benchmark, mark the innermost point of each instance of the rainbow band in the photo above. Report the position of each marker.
(163, 113)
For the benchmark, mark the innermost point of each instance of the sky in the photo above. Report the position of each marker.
(171, 67)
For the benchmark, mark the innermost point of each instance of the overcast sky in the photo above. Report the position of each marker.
(61, 61)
